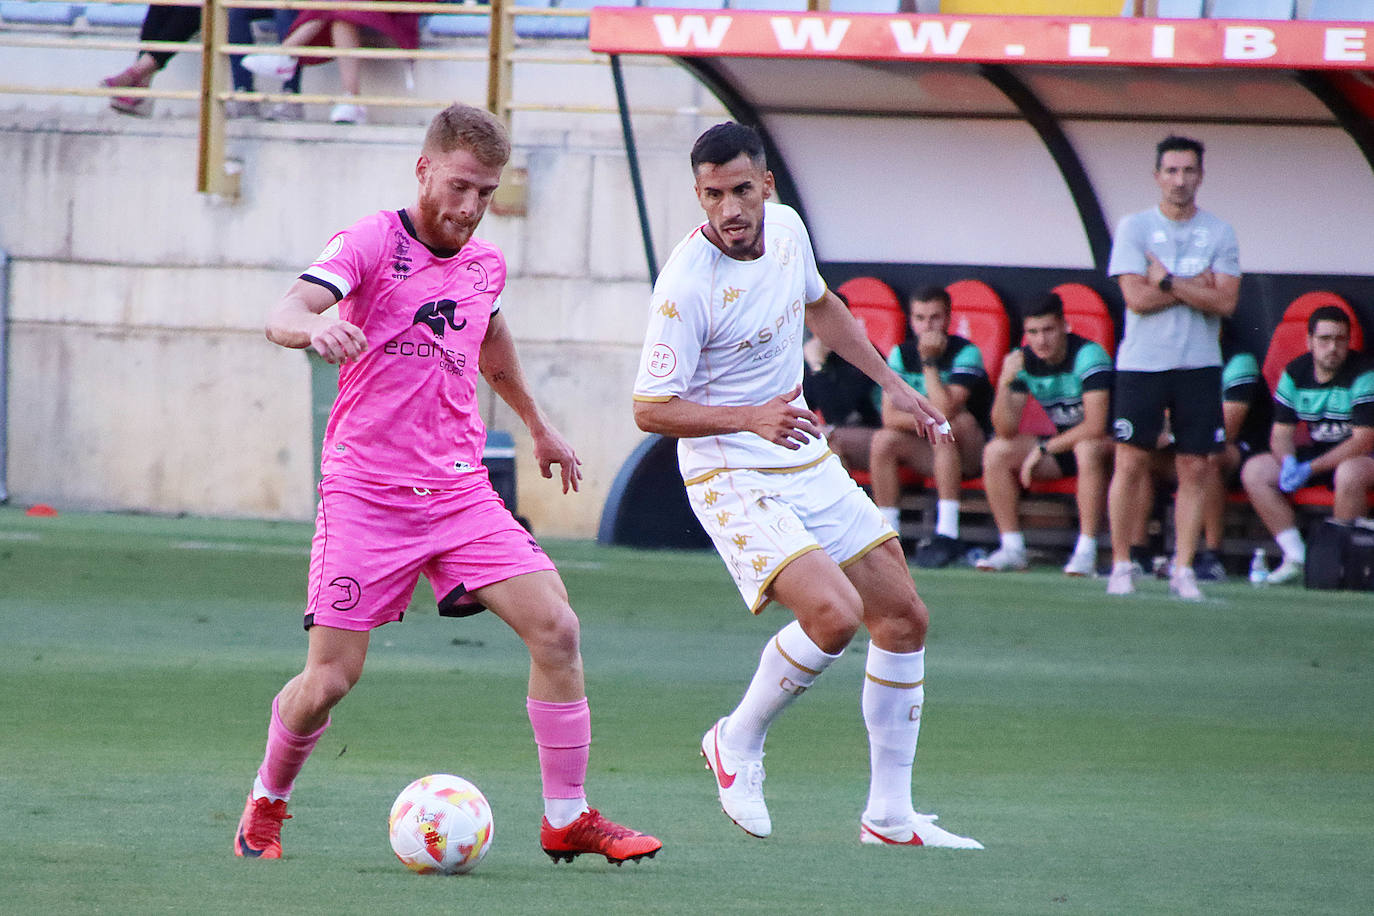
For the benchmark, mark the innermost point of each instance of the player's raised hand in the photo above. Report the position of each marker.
(931, 344)
(338, 341)
(782, 424)
(1012, 363)
(551, 448)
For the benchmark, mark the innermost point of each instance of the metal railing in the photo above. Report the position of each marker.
(501, 54)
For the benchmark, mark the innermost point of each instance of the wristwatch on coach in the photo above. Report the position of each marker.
(1166, 283)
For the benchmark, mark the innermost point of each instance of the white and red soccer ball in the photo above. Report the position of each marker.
(440, 824)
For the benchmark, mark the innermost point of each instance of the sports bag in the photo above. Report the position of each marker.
(1339, 556)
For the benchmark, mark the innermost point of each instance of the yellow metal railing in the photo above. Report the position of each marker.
(500, 55)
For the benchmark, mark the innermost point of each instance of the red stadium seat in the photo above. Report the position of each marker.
(1289, 340)
(977, 314)
(1087, 314)
(876, 305)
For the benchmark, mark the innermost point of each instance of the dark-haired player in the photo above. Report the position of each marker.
(721, 371)
(1071, 378)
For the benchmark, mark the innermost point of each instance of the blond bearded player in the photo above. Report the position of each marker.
(404, 492)
(721, 371)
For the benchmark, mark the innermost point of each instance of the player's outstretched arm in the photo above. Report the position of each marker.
(500, 366)
(297, 322)
(831, 321)
(776, 420)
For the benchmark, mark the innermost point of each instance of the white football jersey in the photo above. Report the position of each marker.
(724, 332)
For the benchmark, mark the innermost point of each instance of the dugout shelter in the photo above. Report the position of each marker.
(935, 148)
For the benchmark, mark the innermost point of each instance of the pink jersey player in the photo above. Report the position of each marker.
(406, 411)
(404, 492)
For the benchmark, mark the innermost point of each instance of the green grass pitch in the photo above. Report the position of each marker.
(1134, 755)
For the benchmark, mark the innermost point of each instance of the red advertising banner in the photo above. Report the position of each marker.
(983, 39)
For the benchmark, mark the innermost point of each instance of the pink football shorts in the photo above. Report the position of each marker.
(373, 541)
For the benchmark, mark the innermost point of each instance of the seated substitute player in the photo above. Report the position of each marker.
(1332, 391)
(1071, 377)
(721, 372)
(949, 371)
(404, 490)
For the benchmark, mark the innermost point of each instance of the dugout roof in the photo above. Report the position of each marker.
(1021, 140)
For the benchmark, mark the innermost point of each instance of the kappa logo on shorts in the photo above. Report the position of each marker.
(438, 314)
(352, 593)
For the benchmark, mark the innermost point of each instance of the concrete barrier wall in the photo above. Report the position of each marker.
(139, 376)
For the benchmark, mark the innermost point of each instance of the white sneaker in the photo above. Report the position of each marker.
(1288, 572)
(1122, 579)
(1183, 584)
(919, 830)
(348, 113)
(281, 66)
(739, 781)
(1082, 563)
(1002, 559)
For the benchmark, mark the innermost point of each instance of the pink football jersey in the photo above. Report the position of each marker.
(406, 412)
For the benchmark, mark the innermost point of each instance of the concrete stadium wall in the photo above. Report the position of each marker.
(139, 375)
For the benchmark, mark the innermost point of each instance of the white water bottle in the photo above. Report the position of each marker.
(1259, 569)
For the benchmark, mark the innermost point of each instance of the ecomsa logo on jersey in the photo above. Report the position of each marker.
(438, 317)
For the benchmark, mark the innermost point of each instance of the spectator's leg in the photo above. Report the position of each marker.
(1214, 507)
(1093, 457)
(1002, 460)
(168, 23)
(891, 449)
(1354, 479)
(1188, 506)
(283, 19)
(1260, 477)
(1128, 498)
(953, 462)
(347, 36)
(241, 33)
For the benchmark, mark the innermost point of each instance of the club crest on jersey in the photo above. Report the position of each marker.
(784, 250)
(400, 258)
(438, 314)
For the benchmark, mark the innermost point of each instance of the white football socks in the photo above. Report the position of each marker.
(1290, 540)
(790, 663)
(947, 518)
(892, 696)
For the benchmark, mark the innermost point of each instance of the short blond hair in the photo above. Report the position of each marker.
(473, 129)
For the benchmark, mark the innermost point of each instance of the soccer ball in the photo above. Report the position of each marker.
(440, 824)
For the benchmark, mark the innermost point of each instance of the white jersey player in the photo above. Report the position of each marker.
(721, 371)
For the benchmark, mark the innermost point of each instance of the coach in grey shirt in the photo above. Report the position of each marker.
(1179, 271)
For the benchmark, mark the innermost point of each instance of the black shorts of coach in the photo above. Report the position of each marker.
(1192, 398)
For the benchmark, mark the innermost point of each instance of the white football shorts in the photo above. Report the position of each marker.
(761, 520)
